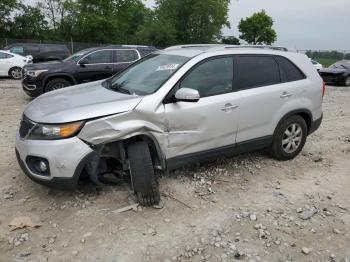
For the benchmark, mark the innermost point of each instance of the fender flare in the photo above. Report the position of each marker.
(74, 81)
(302, 111)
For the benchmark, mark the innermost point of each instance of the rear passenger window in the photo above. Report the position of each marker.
(213, 77)
(289, 72)
(255, 71)
(126, 56)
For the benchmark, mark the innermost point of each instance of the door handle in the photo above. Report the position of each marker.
(229, 107)
(286, 95)
(108, 67)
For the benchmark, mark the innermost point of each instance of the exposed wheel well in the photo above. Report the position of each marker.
(154, 149)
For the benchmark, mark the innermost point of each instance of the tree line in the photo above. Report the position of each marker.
(328, 55)
(169, 22)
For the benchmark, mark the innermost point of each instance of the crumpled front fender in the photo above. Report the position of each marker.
(124, 126)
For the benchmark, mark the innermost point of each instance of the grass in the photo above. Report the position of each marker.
(326, 62)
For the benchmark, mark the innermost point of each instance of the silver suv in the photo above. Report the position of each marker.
(181, 105)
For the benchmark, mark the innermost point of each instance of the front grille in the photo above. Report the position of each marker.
(25, 126)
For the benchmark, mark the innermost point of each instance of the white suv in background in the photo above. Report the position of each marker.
(12, 64)
(177, 106)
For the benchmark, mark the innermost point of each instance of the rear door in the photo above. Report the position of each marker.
(95, 66)
(266, 95)
(123, 58)
(211, 123)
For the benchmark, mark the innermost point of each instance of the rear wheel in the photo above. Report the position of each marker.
(142, 174)
(289, 138)
(16, 73)
(56, 83)
(347, 81)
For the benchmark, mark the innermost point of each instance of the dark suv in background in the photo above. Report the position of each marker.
(40, 52)
(85, 66)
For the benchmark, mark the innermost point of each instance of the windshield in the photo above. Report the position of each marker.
(147, 75)
(341, 65)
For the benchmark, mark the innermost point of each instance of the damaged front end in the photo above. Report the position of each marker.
(109, 138)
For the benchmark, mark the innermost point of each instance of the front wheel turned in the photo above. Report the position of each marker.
(143, 178)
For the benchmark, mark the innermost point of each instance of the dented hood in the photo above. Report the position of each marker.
(79, 102)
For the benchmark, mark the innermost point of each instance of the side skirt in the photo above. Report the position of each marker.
(241, 147)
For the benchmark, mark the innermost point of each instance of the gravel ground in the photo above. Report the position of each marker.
(249, 207)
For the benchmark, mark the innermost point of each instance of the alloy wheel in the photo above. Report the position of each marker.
(16, 73)
(292, 138)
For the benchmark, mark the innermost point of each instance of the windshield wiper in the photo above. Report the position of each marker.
(118, 88)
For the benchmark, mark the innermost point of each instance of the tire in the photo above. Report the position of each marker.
(285, 147)
(15, 73)
(347, 81)
(142, 174)
(56, 83)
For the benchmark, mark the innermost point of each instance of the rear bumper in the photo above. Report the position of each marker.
(315, 125)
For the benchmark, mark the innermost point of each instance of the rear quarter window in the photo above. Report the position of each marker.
(289, 71)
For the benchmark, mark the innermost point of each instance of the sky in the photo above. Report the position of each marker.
(300, 24)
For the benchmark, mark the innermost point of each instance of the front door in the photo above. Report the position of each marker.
(95, 66)
(210, 123)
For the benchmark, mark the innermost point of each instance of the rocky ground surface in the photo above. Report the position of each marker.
(248, 208)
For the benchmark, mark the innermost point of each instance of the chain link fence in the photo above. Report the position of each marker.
(71, 45)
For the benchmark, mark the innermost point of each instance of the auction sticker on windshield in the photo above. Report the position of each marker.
(167, 67)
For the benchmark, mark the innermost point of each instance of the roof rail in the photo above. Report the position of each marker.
(206, 46)
(279, 48)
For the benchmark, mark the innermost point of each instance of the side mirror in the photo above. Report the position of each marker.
(187, 95)
(83, 62)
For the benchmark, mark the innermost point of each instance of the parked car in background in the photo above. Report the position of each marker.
(317, 65)
(40, 52)
(85, 66)
(181, 105)
(12, 64)
(337, 74)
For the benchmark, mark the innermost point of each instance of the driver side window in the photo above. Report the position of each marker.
(213, 77)
(99, 57)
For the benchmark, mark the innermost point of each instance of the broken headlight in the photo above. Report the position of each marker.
(51, 132)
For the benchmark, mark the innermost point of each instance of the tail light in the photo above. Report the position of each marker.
(323, 89)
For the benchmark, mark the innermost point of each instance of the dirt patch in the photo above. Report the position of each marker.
(249, 207)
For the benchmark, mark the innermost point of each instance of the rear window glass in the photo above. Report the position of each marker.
(289, 72)
(255, 71)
